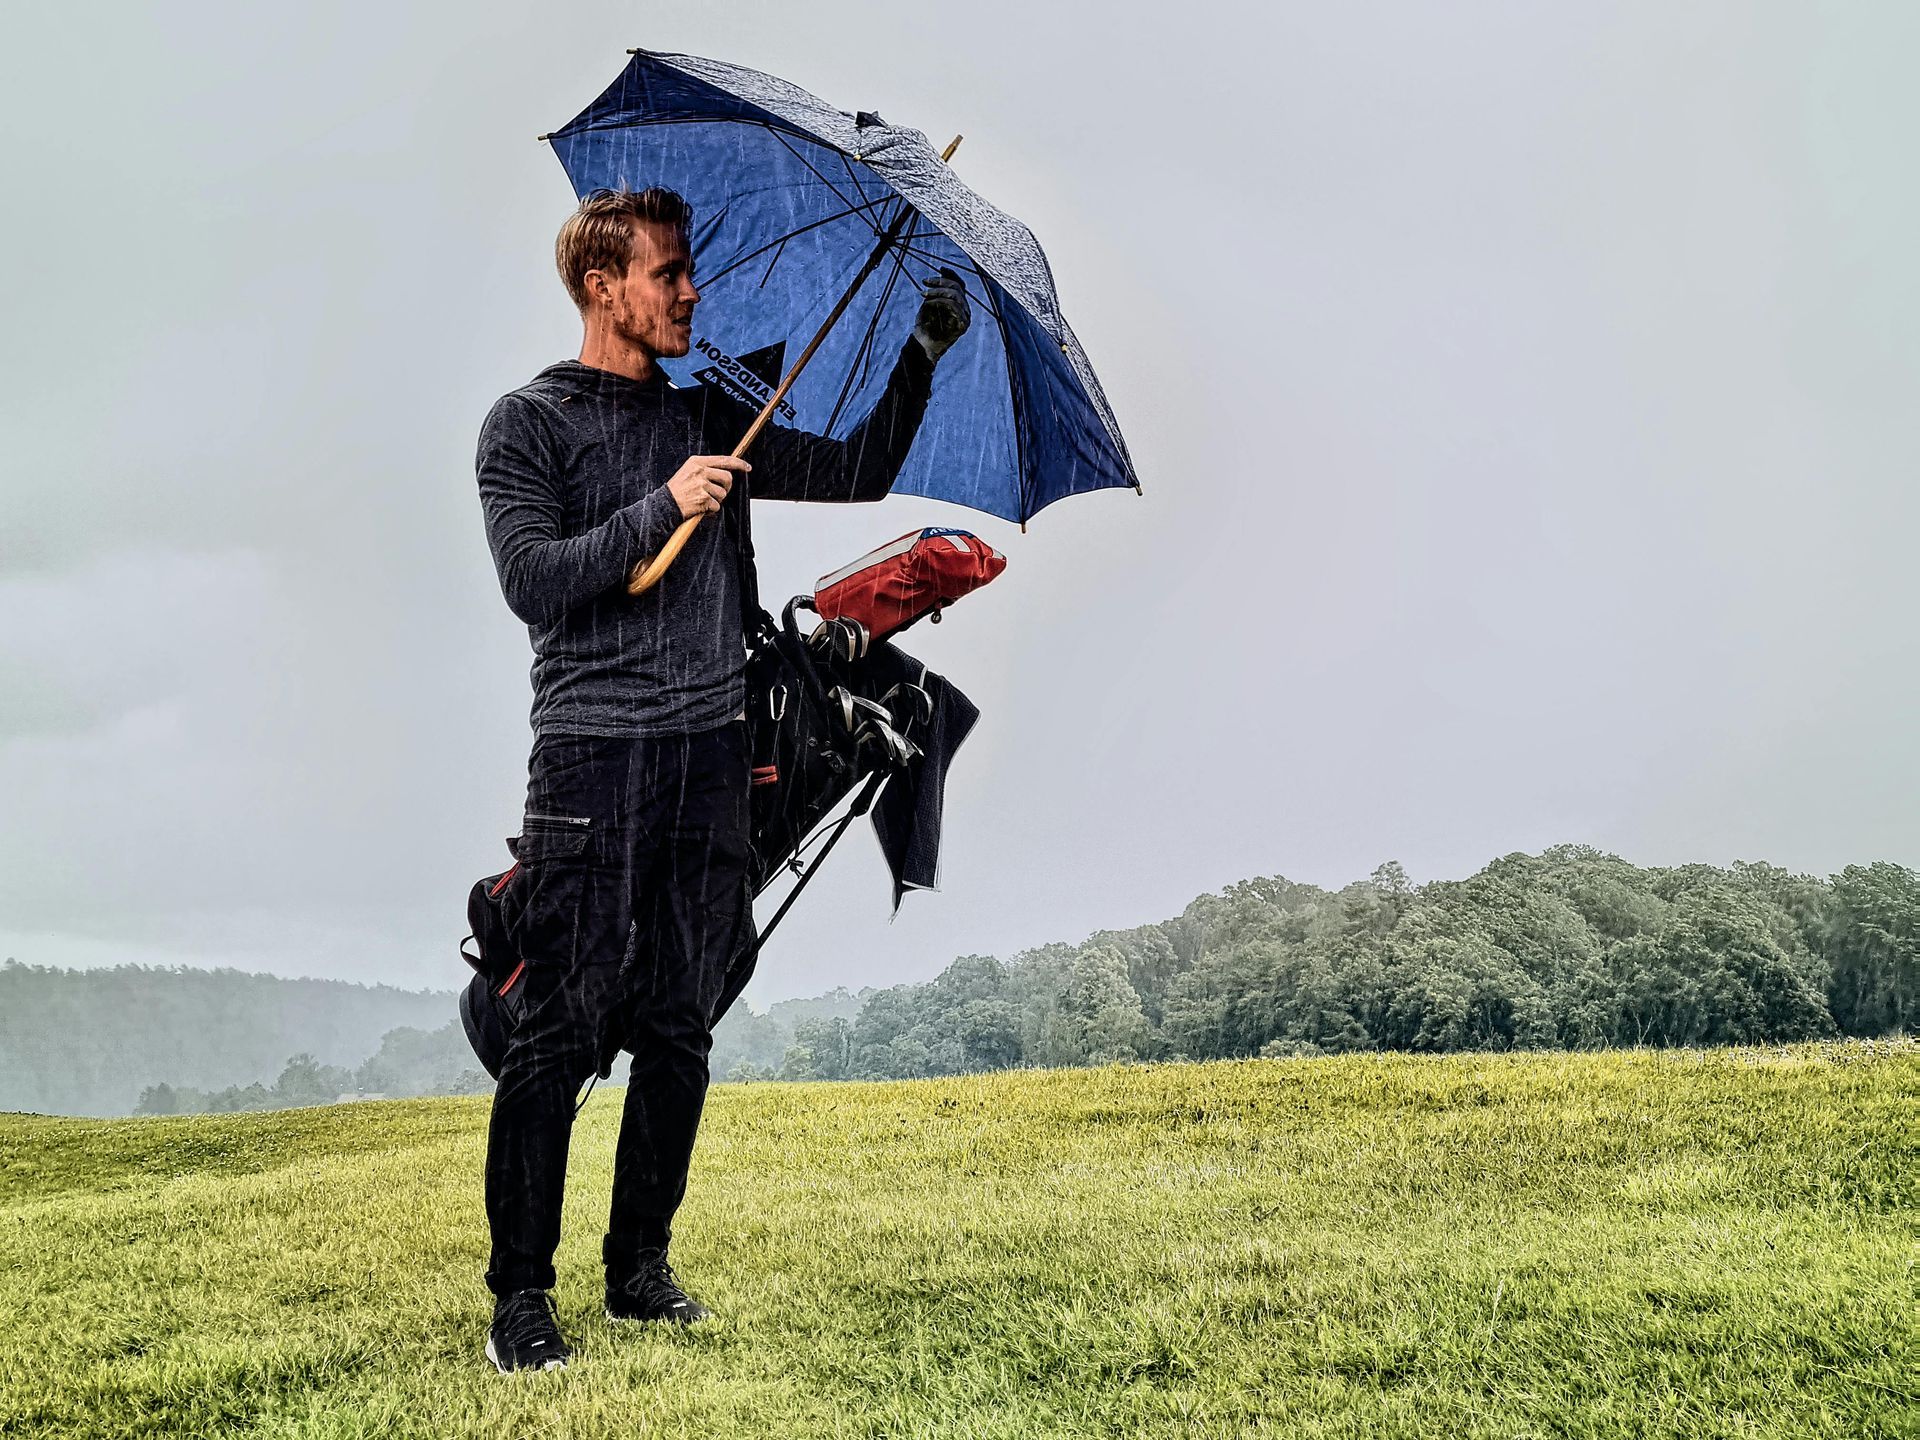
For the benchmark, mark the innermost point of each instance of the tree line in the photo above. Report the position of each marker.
(408, 1062)
(413, 1062)
(1569, 949)
(87, 1042)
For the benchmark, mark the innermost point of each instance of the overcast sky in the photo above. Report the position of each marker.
(1525, 397)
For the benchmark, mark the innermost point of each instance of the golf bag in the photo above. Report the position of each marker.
(830, 714)
(485, 1004)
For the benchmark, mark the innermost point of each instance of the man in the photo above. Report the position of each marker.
(637, 785)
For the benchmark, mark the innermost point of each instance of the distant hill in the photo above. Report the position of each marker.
(92, 1042)
(87, 1042)
(1571, 949)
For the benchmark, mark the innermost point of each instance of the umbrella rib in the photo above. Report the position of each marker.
(847, 165)
(751, 255)
(937, 262)
(778, 132)
(873, 329)
(816, 172)
(1013, 413)
(773, 262)
(863, 358)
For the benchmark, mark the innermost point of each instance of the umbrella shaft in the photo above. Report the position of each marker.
(648, 572)
(880, 248)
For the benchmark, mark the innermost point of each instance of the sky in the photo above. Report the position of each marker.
(1524, 398)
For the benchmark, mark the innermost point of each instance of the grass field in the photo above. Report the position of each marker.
(1688, 1244)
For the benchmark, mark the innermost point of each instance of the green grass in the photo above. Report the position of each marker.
(1687, 1244)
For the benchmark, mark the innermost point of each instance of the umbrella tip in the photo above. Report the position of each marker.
(542, 139)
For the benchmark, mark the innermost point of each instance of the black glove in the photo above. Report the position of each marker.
(944, 314)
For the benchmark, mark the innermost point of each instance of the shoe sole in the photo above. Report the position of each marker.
(658, 1319)
(494, 1356)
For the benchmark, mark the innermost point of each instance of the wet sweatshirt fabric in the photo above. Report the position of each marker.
(573, 470)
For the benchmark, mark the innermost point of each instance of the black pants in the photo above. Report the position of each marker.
(653, 834)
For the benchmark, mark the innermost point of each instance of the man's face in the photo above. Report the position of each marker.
(652, 304)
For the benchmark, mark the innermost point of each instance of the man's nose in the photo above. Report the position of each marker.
(692, 296)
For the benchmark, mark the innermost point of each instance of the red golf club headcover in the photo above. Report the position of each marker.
(889, 588)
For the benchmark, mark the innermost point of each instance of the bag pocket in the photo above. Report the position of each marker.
(498, 996)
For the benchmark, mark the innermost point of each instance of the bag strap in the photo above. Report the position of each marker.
(756, 625)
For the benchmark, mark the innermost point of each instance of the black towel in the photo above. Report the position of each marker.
(906, 818)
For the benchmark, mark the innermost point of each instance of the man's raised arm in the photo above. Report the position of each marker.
(795, 465)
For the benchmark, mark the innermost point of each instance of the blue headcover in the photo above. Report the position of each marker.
(789, 196)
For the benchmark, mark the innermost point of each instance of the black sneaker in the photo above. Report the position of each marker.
(649, 1292)
(524, 1334)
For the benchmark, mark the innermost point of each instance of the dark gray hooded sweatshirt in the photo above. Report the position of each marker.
(573, 470)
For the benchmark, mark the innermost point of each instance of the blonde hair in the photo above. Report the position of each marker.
(599, 235)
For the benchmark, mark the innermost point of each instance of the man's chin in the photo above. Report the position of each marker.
(678, 343)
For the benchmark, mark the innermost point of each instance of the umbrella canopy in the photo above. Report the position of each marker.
(790, 197)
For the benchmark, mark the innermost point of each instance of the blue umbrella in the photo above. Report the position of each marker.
(814, 232)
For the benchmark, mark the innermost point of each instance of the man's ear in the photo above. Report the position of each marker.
(598, 287)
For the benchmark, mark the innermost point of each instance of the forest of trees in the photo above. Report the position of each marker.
(87, 1042)
(1569, 949)
(439, 1062)
(408, 1062)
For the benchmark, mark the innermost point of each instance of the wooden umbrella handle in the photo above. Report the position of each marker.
(648, 572)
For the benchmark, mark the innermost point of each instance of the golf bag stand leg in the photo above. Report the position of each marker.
(743, 967)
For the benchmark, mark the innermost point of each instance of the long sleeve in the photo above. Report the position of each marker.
(796, 465)
(544, 574)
